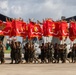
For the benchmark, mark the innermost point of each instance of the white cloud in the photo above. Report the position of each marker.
(53, 9)
(4, 5)
(16, 10)
(4, 8)
(38, 9)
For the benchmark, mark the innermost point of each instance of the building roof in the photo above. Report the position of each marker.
(3, 17)
(70, 18)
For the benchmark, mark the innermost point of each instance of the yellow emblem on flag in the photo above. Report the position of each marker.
(53, 26)
(2, 26)
(35, 29)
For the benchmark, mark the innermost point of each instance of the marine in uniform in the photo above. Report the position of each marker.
(74, 53)
(1, 53)
(13, 47)
(19, 53)
(26, 53)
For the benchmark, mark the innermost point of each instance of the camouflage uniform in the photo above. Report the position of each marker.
(50, 53)
(74, 53)
(26, 54)
(56, 53)
(1, 54)
(12, 45)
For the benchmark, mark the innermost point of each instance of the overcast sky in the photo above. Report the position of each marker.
(38, 9)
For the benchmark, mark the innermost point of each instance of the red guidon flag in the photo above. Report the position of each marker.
(56, 31)
(30, 29)
(44, 28)
(16, 28)
(41, 29)
(72, 31)
(34, 30)
(8, 28)
(13, 33)
(25, 30)
(48, 27)
(37, 31)
(64, 28)
(61, 29)
(2, 26)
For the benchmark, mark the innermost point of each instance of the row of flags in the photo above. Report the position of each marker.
(32, 29)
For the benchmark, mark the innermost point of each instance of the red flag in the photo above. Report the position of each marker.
(13, 33)
(44, 28)
(56, 31)
(64, 28)
(25, 30)
(2, 26)
(30, 29)
(37, 31)
(8, 28)
(61, 29)
(72, 31)
(16, 28)
(72, 38)
(19, 28)
(48, 27)
(34, 30)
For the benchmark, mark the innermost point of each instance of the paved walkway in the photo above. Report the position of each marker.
(37, 69)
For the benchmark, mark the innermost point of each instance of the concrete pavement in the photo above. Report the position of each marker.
(37, 69)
